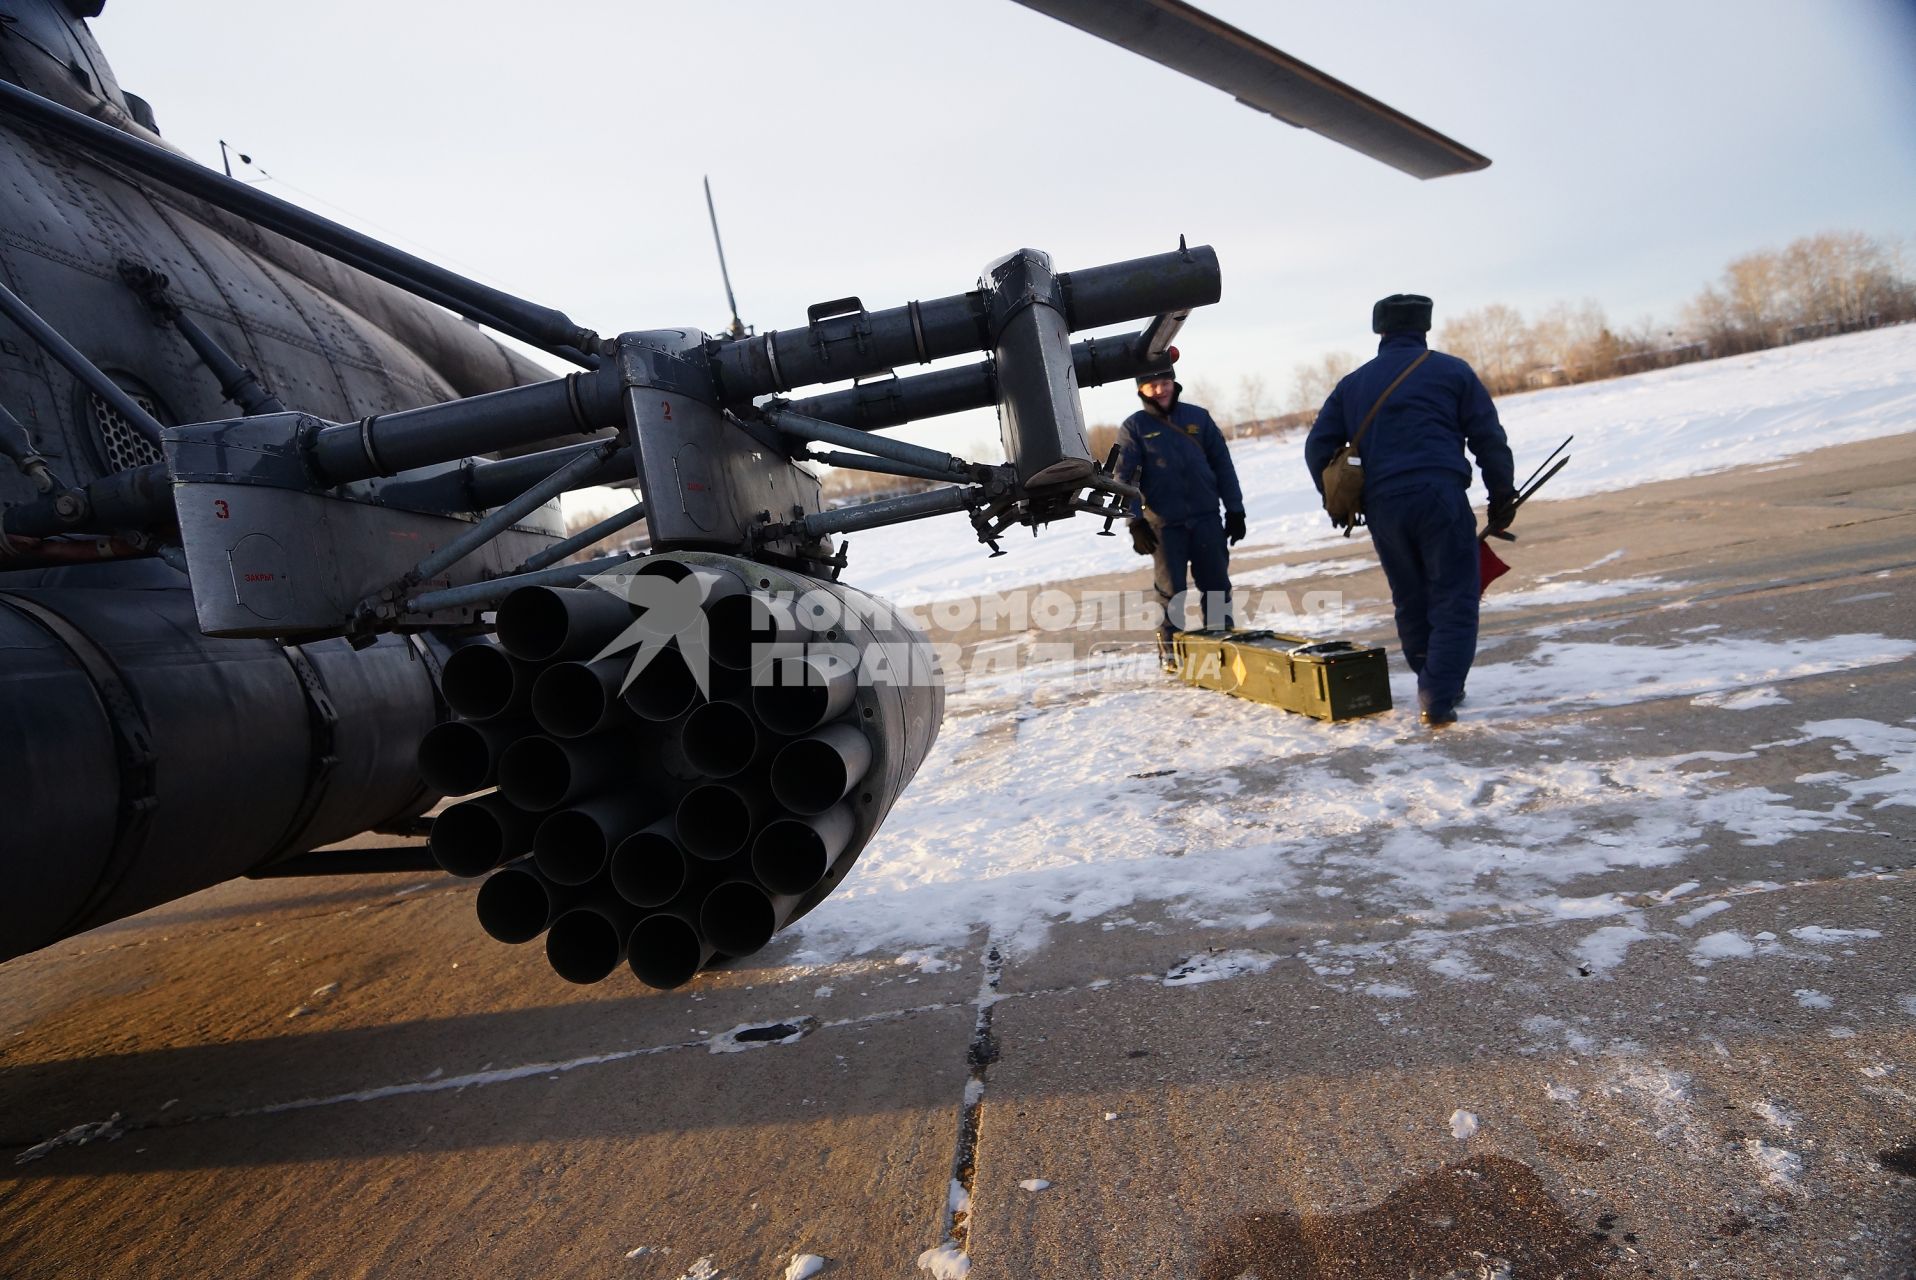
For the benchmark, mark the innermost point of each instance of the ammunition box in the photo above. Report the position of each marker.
(1327, 679)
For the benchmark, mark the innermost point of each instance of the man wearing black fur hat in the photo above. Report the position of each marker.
(1409, 415)
(1175, 453)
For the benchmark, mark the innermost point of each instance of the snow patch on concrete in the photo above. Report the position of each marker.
(1697, 915)
(1725, 945)
(1555, 593)
(1605, 949)
(79, 1135)
(1216, 967)
(945, 1262)
(1776, 1166)
(1820, 936)
(1746, 700)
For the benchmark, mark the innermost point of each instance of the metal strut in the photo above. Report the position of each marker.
(385, 603)
(877, 466)
(76, 364)
(584, 538)
(499, 588)
(237, 383)
(941, 465)
(503, 518)
(875, 515)
(18, 446)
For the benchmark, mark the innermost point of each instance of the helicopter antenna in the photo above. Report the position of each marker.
(738, 329)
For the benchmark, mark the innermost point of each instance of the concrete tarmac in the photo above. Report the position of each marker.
(347, 1078)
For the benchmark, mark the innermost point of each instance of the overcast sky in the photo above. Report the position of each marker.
(889, 150)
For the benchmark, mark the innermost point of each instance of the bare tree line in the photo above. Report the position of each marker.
(1835, 282)
(1829, 283)
(1565, 344)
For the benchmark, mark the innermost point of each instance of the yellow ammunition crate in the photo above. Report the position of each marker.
(1328, 679)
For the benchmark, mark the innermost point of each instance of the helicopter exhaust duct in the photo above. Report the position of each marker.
(677, 820)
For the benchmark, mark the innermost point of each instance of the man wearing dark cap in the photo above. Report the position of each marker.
(1409, 415)
(1174, 452)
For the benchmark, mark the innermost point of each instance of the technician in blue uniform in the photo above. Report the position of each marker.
(1174, 452)
(1415, 483)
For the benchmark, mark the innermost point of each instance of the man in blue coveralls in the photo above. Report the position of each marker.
(1174, 452)
(1415, 483)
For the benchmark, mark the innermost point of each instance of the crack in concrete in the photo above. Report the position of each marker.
(981, 1049)
(980, 1052)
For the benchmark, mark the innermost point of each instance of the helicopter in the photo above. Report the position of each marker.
(281, 560)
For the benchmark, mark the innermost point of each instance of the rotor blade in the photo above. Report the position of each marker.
(738, 326)
(1191, 41)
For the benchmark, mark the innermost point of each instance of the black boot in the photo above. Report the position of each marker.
(1435, 712)
(1168, 654)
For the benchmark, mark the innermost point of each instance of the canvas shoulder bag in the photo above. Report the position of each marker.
(1343, 475)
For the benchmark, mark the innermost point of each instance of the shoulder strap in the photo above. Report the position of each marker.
(1387, 390)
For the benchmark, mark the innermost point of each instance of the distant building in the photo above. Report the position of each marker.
(1554, 376)
(1663, 357)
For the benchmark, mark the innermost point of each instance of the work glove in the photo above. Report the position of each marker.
(1503, 509)
(1144, 539)
(1234, 526)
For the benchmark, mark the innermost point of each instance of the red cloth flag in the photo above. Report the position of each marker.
(1490, 566)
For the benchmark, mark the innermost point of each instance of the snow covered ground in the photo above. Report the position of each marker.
(1653, 426)
(1093, 800)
